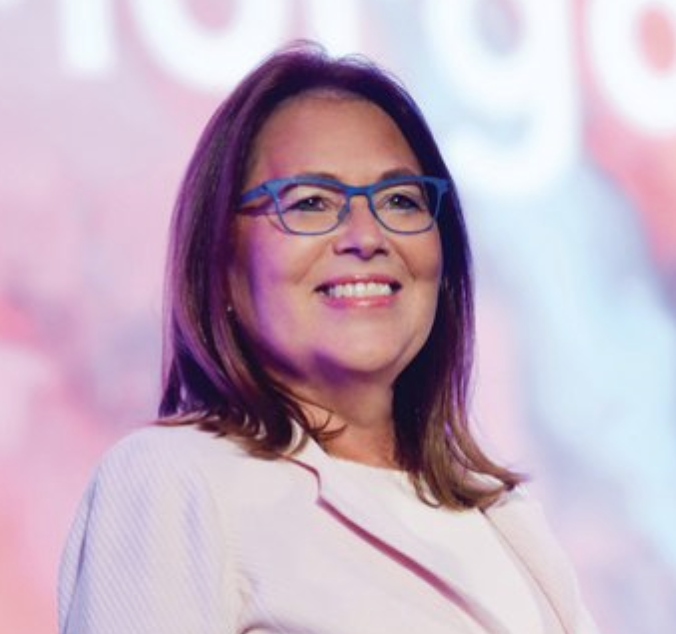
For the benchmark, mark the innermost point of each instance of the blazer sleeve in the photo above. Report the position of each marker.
(148, 552)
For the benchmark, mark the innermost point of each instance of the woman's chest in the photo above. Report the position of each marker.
(309, 566)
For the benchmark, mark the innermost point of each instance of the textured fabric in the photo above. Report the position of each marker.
(182, 532)
(467, 542)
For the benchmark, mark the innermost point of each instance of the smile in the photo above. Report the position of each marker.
(359, 289)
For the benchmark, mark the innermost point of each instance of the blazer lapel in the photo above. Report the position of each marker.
(366, 516)
(523, 527)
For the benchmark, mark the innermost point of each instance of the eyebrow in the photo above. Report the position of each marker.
(391, 173)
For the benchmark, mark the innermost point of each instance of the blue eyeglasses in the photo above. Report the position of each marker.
(308, 205)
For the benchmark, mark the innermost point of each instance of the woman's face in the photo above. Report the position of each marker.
(309, 334)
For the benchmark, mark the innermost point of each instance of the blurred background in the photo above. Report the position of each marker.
(558, 119)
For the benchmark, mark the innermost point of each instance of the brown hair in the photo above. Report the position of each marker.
(211, 375)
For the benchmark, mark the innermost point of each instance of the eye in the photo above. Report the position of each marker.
(309, 199)
(405, 199)
(402, 201)
(310, 203)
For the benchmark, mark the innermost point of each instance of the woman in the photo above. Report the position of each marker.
(314, 470)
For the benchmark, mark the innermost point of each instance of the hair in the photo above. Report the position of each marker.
(211, 377)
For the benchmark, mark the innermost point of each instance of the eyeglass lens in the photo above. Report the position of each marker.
(405, 206)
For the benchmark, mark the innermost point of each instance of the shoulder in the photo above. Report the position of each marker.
(153, 488)
(181, 463)
(150, 530)
(175, 441)
(521, 520)
(165, 468)
(519, 512)
(519, 496)
(163, 449)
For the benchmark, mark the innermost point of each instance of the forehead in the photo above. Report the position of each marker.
(328, 131)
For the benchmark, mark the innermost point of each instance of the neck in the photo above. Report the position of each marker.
(363, 414)
(364, 446)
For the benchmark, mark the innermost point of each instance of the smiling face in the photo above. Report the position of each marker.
(356, 304)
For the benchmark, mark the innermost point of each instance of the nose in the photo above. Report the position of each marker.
(360, 232)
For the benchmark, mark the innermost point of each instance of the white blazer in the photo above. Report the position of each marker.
(181, 532)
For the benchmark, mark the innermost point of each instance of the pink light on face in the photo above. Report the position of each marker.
(291, 290)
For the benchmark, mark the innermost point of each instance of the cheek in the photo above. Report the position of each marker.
(426, 260)
(251, 283)
(256, 302)
(245, 275)
(268, 275)
(429, 272)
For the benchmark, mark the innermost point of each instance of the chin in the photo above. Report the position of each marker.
(367, 363)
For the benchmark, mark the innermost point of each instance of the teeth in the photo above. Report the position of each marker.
(360, 289)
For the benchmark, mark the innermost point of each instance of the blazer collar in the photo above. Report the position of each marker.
(367, 516)
(518, 520)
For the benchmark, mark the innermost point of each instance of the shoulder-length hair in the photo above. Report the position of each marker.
(211, 376)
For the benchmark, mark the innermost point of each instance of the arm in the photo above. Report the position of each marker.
(148, 552)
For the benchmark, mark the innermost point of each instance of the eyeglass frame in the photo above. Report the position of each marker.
(273, 186)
